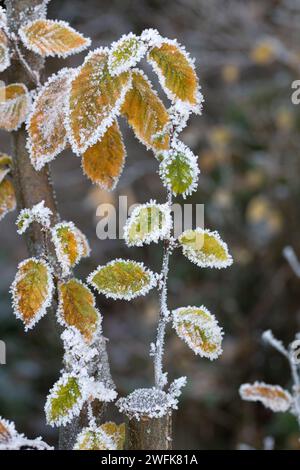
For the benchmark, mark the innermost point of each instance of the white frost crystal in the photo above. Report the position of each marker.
(125, 53)
(10, 439)
(38, 213)
(273, 397)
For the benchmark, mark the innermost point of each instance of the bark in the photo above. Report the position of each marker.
(32, 187)
(149, 434)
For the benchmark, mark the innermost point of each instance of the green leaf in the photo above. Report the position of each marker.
(148, 223)
(205, 248)
(64, 401)
(125, 53)
(122, 279)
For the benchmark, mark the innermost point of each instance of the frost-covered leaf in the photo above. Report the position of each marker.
(10, 439)
(64, 401)
(103, 162)
(179, 169)
(77, 308)
(146, 113)
(7, 430)
(38, 213)
(109, 436)
(176, 73)
(14, 106)
(85, 247)
(52, 38)
(205, 248)
(68, 244)
(4, 51)
(271, 396)
(32, 291)
(199, 329)
(122, 279)
(5, 165)
(7, 197)
(3, 18)
(94, 101)
(47, 135)
(148, 223)
(125, 53)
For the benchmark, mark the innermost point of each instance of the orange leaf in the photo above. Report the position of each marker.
(94, 101)
(146, 113)
(103, 162)
(7, 197)
(14, 106)
(46, 131)
(52, 38)
(271, 396)
(77, 308)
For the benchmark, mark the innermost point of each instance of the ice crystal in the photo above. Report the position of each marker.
(10, 439)
(38, 213)
(125, 53)
(273, 397)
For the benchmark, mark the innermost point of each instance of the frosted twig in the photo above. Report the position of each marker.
(34, 75)
(291, 257)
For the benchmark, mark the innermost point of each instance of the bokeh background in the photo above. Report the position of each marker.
(247, 55)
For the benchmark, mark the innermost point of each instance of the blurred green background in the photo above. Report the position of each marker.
(247, 55)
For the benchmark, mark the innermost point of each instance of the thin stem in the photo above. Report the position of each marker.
(33, 74)
(296, 387)
(164, 315)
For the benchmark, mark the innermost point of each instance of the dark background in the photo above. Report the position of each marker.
(247, 55)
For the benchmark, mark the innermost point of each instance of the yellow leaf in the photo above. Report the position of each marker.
(146, 113)
(32, 291)
(5, 165)
(94, 100)
(52, 38)
(4, 52)
(271, 396)
(103, 162)
(47, 135)
(14, 106)
(68, 245)
(176, 73)
(77, 308)
(109, 436)
(199, 329)
(7, 197)
(264, 52)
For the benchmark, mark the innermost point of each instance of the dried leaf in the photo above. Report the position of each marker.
(4, 51)
(68, 244)
(5, 165)
(77, 308)
(47, 135)
(200, 330)
(205, 248)
(103, 162)
(176, 73)
(179, 169)
(32, 291)
(148, 223)
(7, 198)
(125, 53)
(109, 436)
(271, 396)
(52, 38)
(64, 401)
(146, 113)
(14, 106)
(122, 279)
(94, 101)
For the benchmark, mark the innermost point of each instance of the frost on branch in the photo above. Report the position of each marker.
(103, 162)
(271, 396)
(205, 248)
(47, 135)
(38, 213)
(122, 279)
(32, 291)
(14, 106)
(179, 169)
(146, 113)
(200, 330)
(52, 38)
(10, 439)
(148, 223)
(176, 73)
(94, 101)
(8, 201)
(125, 53)
(70, 245)
(3, 18)
(151, 402)
(4, 51)
(5, 165)
(64, 401)
(109, 436)
(77, 308)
